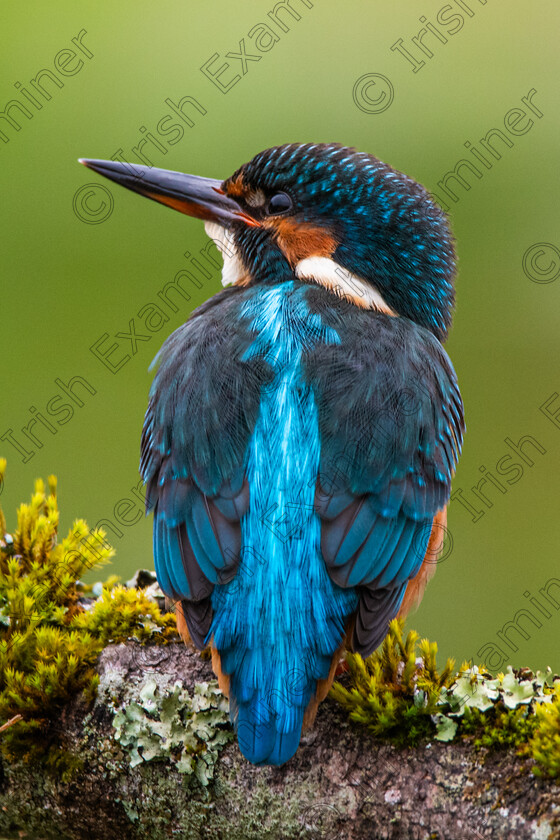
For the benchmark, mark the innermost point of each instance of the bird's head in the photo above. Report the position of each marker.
(322, 213)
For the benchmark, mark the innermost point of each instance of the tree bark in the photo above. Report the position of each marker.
(341, 783)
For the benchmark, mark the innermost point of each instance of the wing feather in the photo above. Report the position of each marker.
(203, 406)
(391, 423)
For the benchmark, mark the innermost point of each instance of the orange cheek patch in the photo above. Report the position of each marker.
(300, 240)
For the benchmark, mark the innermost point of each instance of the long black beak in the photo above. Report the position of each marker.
(202, 198)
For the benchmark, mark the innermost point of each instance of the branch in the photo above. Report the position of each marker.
(341, 783)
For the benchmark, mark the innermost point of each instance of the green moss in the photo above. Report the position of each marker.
(499, 727)
(120, 613)
(395, 691)
(545, 743)
(49, 641)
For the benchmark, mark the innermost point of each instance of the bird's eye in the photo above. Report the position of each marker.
(279, 203)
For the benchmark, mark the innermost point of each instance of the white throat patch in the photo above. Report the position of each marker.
(333, 276)
(233, 271)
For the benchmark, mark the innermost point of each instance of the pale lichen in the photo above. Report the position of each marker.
(186, 730)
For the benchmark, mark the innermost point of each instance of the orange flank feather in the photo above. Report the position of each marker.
(415, 589)
(182, 628)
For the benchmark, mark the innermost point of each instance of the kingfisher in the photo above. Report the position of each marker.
(303, 425)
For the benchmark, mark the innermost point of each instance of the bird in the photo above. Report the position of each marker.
(303, 425)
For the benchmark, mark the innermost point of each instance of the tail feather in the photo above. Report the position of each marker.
(269, 722)
(268, 725)
(263, 741)
(268, 699)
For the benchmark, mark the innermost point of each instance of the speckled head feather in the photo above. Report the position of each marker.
(369, 219)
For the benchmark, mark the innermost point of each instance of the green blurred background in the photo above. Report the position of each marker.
(66, 282)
